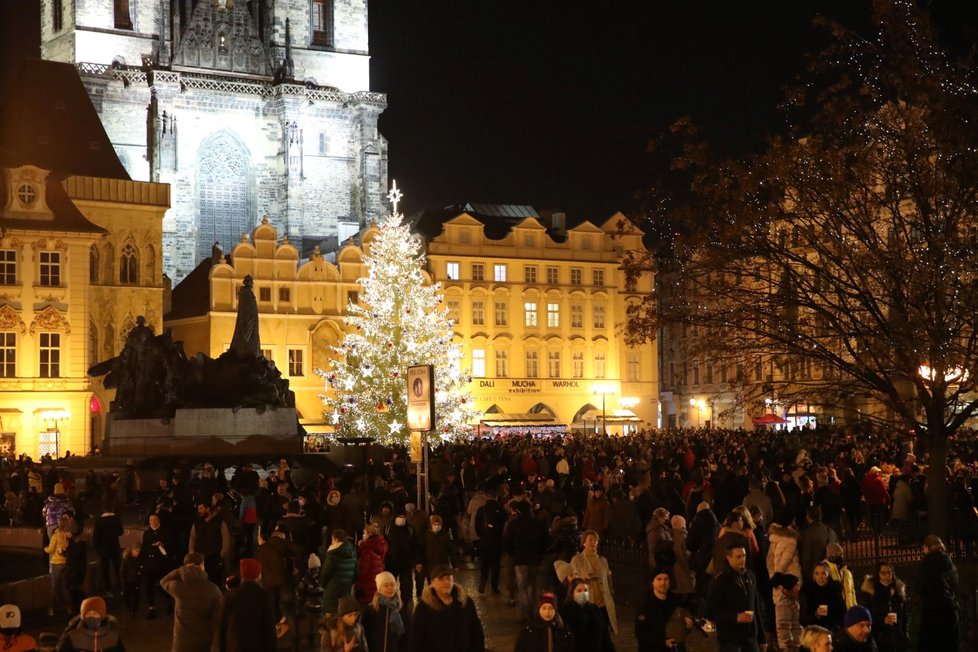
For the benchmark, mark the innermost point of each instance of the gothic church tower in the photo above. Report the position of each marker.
(246, 107)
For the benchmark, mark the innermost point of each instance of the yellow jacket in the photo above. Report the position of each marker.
(59, 541)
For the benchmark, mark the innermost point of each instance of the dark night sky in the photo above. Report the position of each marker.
(552, 103)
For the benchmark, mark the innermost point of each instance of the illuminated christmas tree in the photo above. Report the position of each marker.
(399, 321)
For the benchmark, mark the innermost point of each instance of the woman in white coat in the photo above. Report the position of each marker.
(782, 553)
(593, 568)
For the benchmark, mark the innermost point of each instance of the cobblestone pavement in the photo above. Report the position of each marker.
(500, 622)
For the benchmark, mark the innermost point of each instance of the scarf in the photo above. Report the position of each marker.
(394, 622)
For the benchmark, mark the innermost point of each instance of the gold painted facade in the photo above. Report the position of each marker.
(70, 290)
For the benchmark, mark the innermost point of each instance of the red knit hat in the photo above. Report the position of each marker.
(547, 598)
(250, 569)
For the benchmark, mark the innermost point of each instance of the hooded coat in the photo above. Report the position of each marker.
(372, 551)
(78, 637)
(935, 588)
(248, 620)
(882, 600)
(438, 627)
(197, 610)
(782, 553)
(337, 574)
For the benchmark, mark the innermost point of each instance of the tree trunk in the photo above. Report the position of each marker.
(938, 508)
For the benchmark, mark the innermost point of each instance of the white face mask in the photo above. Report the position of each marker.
(400, 521)
(436, 529)
(581, 598)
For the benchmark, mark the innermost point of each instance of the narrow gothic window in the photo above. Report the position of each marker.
(57, 15)
(122, 18)
(222, 191)
(322, 144)
(322, 22)
(129, 265)
(93, 263)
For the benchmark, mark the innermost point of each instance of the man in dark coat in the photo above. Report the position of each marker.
(156, 552)
(105, 537)
(401, 552)
(489, 523)
(445, 619)
(815, 538)
(248, 618)
(525, 540)
(198, 605)
(734, 605)
(211, 537)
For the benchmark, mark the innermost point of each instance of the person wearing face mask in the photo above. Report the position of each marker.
(838, 571)
(402, 550)
(382, 622)
(436, 548)
(545, 632)
(92, 629)
(584, 620)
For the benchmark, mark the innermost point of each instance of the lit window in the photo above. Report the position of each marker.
(577, 362)
(597, 315)
(576, 276)
(599, 364)
(577, 315)
(499, 273)
(478, 313)
(322, 22)
(532, 361)
(8, 355)
(502, 364)
(553, 315)
(553, 364)
(529, 314)
(27, 194)
(284, 295)
(479, 363)
(530, 274)
(129, 265)
(453, 309)
(553, 276)
(50, 355)
(451, 271)
(634, 366)
(295, 362)
(597, 277)
(264, 294)
(478, 272)
(499, 313)
(50, 269)
(8, 267)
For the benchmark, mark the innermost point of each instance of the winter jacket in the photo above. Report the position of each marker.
(375, 619)
(814, 540)
(813, 596)
(596, 568)
(541, 636)
(56, 548)
(882, 600)
(338, 574)
(841, 574)
(489, 523)
(565, 537)
(78, 637)
(402, 548)
(596, 514)
(782, 554)
(371, 551)
(650, 622)
(702, 533)
(105, 535)
(197, 610)
(247, 620)
(278, 557)
(902, 501)
(659, 543)
(310, 591)
(787, 621)
(590, 629)
(874, 489)
(937, 583)
(334, 639)
(525, 540)
(731, 593)
(54, 508)
(682, 575)
(438, 627)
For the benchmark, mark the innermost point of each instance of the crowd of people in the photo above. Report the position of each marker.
(745, 536)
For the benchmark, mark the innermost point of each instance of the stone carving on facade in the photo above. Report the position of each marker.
(153, 376)
(222, 37)
(50, 319)
(10, 319)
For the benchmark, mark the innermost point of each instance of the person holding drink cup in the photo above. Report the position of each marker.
(734, 605)
(885, 595)
(822, 603)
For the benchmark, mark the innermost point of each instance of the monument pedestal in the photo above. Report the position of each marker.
(206, 431)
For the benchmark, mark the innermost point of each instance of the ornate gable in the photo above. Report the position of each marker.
(50, 319)
(10, 319)
(222, 36)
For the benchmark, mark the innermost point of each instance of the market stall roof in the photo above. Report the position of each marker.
(518, 419)
(613, 417)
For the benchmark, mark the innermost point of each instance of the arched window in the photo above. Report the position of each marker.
(321, 21)
(129, 265)
(223, 192)
(123, 19)
(93, 263)
(93, 352)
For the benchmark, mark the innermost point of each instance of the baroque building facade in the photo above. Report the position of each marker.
(576, 289)
(245, 107)
(80, 260)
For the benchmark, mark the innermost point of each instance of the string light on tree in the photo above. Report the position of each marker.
(399, 321)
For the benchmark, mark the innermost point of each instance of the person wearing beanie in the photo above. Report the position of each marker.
(546, 631)
(856, 632)
(11, 638)
(310, 592)
(787, 611)
(248, 617)
(342, 631)
(92, 629)
(382, 622)
(197, 605)
(654, 613)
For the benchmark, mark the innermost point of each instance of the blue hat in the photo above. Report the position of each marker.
(857, 614)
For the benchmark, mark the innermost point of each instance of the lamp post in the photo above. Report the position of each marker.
(603, 389)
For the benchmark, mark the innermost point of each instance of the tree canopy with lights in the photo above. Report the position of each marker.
(841, 262)
(397, 322)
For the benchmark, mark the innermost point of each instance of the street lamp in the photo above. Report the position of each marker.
(603, 389)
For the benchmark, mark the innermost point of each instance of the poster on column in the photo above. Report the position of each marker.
(421, 398)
